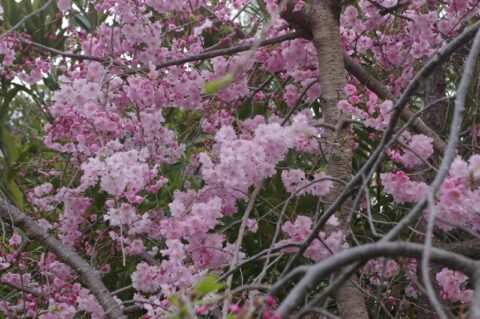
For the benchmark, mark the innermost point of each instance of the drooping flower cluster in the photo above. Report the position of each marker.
(245, 161)
(419, 149)
(122, 174)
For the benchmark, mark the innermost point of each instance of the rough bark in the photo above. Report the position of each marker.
(435, 87)
(326, 39)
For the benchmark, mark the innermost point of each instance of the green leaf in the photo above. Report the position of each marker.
(173, 299)
(7, 98)
(15, 193)
(12, 12)
(84, 22)
(207, 285)
(8, 144)
(214, 86)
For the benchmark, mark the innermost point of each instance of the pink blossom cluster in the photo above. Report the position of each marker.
(36, 71)
(122, 174)
(7, 51)
(193, 220)
(453, 284)
(382, 269)
(456, 200)
(63, 297)
(171, 275)
(419, 149)
(382, 272)
(64, 5)
(402, 188)
(326, 245)
(365, 107)
(295, 182)
(458, 196)
(241, 162)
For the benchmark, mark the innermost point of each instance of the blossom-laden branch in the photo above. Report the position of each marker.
(193, 58)
(351, 66)
(11, 214)
(401, 103)
(378, 88)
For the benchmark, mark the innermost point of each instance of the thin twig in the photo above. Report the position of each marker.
(25, 18)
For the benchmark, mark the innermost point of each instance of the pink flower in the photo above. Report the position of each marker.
(350, 15)
(318, 250)
(345, 107)
(452, 283)
(402, 188)
(64, 5)
(451, 192)
(136, 247)
(291, 95)
(350, 90)
(16, 239)
(459, 169)
(411, 292)
(146, 278)
(474, 166)
(419, 146)
(234, 308)
(252, 225)
(296, 183)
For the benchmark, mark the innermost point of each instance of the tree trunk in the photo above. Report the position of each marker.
(326, 38)
(435, 86)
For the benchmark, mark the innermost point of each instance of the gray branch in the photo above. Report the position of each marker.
(320, 271)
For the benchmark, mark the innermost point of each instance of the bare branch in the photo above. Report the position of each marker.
(25, 18)
(317, 272)
(448, 158)
(238, 244)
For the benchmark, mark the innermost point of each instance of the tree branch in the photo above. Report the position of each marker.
(197, 57)
(229, 51)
